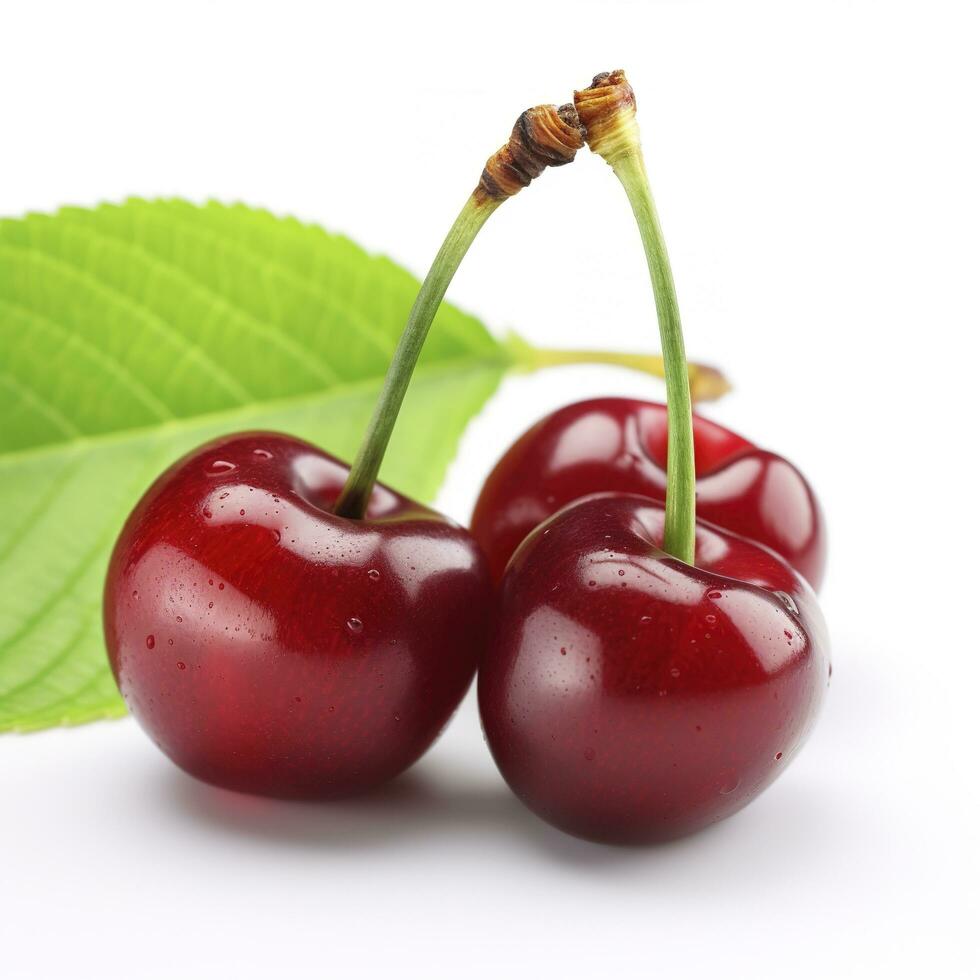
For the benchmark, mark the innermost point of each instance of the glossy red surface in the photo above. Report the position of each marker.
(628, 697)
(621, 444)
(271, 647)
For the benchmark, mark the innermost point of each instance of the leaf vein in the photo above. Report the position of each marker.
(32, 401)
(161, 326)
(109, 362)
(218, 301)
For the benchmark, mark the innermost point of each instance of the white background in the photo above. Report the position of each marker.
(816, 168)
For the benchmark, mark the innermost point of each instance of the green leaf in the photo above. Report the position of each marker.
(132, 333)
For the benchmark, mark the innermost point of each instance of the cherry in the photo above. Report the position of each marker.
(649, 673)
(282, 625)
(270, 646)
(621, 444)
(630, 697)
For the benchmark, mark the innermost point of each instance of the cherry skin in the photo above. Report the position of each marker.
(271, 647)
(628, 697)
(621, 444)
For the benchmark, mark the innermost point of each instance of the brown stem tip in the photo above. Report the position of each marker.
(607, 112)
(544, 136)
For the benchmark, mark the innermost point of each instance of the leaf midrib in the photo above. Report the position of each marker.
(499, 358)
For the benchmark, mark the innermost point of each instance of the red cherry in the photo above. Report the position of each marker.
(621, 444)
(268, 645)
(629, 697)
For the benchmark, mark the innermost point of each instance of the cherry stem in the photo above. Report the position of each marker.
(354, 498)
(680, 507)
(544, 136)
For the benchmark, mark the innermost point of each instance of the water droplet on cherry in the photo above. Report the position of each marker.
(788, 601)
(727, 782)
(263, 454)
(150, 642)
(181, 665)
(374, 574)
(221, 466)
(354, 624)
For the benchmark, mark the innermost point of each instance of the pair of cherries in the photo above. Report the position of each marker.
(270, 646)
(283, 624)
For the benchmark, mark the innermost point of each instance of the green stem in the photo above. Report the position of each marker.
(679, 520)
(354, 497)
(707, 383)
